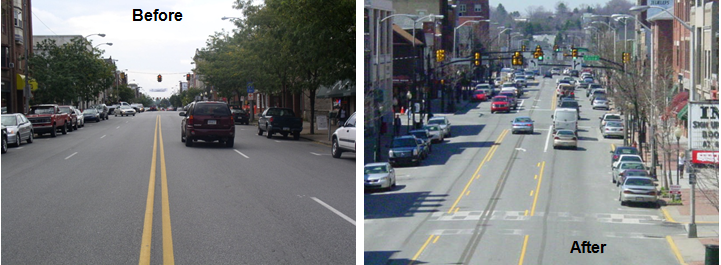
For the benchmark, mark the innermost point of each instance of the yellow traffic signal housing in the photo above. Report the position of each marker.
(555, 48)
(477, 59)
(440, 55)
(626, 57)
(574, 53)
(523, 48)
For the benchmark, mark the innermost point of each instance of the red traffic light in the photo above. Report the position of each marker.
(160, 78)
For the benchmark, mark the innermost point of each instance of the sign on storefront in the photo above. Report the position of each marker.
(703, 125)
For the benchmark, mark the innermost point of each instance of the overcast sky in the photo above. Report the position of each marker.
(145, 48)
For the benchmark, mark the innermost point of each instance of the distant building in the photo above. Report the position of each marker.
(17, 39)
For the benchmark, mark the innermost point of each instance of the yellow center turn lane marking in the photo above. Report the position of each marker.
(422, 248)
(538, 186)
(523, 250)
(676, 253)
(475, 175)
(146, 239)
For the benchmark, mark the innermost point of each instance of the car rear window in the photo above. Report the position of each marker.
(639, 182)
(627, 151)
(567, 133)
(211, 109)
(614, 124)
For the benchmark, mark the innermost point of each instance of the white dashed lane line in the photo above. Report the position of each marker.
(70, 156)
(101, 137)
(236, 150)
(334, 210)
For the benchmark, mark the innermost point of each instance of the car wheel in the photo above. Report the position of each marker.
(182, 137)
(133, 115)
(54, 132)
(269, 133)
(334, 150)
(70, 128)
(98, 120)
(296, 136)
(4, 145)
(188, 141)
(285, 135)
(17, 140)
(30, 138)
(230, 142)
(76, 127)
(65, 129)
(260, 131)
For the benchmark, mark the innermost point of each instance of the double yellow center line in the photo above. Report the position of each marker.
(168, 257)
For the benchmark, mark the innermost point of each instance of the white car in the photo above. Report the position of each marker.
(379, 176)
(343, 138)
(81, 118)
(444, 123)
(124, 110)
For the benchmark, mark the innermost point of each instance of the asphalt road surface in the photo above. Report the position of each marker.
(487, 196)
(84, 198)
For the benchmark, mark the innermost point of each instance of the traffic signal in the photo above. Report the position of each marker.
(523, 48)
(122, 76)
(626, 57)
(440, 55)
(517, 59)
(574, 53)
(555, 48)
(477, 59)
(160, 78)
(538, 54)
(187, 77)
(540, 57)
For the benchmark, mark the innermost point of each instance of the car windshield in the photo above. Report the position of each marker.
(599, 99)
(436, 121)
(90, 111)
(404, 142)
(636, 173)
(42, 110)
(431, 127)
(9, 120)
(377, 169)
(504, 99)
(639, 182)
(627, 151)
(523, 119)
(613, 117)
(566, 104)
(565, 133)
(631, 158)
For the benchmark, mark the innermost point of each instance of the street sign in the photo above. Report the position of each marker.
(250, 96)
(251, 90)
(674, 189)
(591, 57)
(691, 179)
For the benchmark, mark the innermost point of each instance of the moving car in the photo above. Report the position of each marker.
(379, 176)
(520, 81)
(443, 123)
(555, 71)
(486, 88)
(208, 121)
(435, 133)
(102, 110)
(565, 119)
(512, 98)
(343, 138)
(479, 95)
(124, 111)
(565, 138)
(404, 150)
(600, 103)
(18, 128)
(522, 124)
(91, 114)
(638, 189)
(612, 129)
(548, 75)
(500, 103)
(570, 104)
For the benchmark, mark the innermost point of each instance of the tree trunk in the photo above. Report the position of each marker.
(312, 111)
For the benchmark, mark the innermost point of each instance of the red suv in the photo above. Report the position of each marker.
(500, 103)
(208, 121)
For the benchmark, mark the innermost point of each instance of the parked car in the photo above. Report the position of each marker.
(18, 128)
(404, 150)
(279, 120)
(565, 138)
(73, 118)
(435, 133)
(4, 139)
(344, 137)
(609, 117)
(500, 103)
(600, 103)
(633, 173)
(92, 114)
(621, 150)
(47, 118)
(623, 166)
(522, 124)
(81, 117)
(124, 111)
(379, 176)
(240, 116)
(638, 189)
(627, 157)
(208, 121)
(612, 129)
(444, 123)
(424, 136)
(103, 111)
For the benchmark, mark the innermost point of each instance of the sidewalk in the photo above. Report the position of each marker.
(688, 250)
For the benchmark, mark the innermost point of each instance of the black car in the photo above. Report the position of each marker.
(548, 75)
(208, 121)
(4, 139)
(240, 116)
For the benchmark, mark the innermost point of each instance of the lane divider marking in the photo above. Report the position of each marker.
(148, 222)
(420, 250)
(236, 150)
(538, 186)
(168, 257)
(334, 210)
(101, 137)
(66, 157)
(523, 250)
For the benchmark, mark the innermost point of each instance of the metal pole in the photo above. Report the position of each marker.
(678, 157)
(654, 158)
(26, 36)
(692, 98)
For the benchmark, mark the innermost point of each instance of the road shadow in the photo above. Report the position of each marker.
(384, 257)
(396, 188)
(583, 138)
(400, 204)
(441, 154)
(459, 130)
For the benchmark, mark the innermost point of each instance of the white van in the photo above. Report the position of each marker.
(565, 119)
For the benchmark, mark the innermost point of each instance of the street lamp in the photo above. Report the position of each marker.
(679, 170)
(107, 43)
(692, 97)
(499, 37)
(455, 54)
(98, 34)
(226, 18)
(409, 95)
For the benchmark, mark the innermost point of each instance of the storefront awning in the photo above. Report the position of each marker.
(20, 83)
(339, 89)
(682, 113)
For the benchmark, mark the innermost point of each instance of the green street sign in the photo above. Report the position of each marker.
(591, 57)
(580, 49)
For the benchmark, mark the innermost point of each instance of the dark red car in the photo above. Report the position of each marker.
(479, 95)
(500, 103)
(208, 121)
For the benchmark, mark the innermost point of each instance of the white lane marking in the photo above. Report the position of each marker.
(19, 147)
(71, 156)
(521, 149)
(548, 138)
(316, 154)
(334, 210)
(101, 137)
(117, 127)
(236, 150)
(126, 121)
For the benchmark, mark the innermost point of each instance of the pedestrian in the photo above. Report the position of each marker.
(681, 163)
(397, 124)
(342, 116)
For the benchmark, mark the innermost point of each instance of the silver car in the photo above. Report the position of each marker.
(379, 176)
(623, 166)
(565, 138)
(612, 129)
(522, 124)
(81, 117)
(124, 111)
(444, 123)
(600, 103)
(435, 132)
(18, 127)
(638, 189)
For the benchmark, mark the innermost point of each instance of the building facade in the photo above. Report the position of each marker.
(17, 39)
